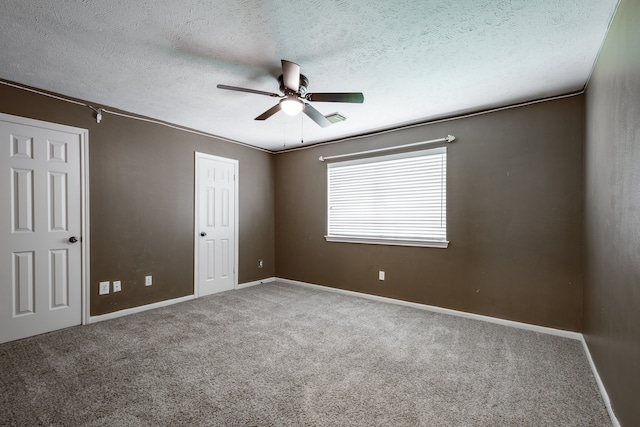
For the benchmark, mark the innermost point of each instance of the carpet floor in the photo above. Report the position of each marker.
(285, 355)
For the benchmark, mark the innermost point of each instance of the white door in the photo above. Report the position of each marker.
(215, 224)
(40, 228)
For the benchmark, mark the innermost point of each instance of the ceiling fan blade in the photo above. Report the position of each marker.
(243, 89)
(355, 97)
(316, 116)
(270, 112)
(291, 75)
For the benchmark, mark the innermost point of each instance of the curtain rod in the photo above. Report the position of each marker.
(448, 138)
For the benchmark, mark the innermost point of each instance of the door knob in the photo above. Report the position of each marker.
(203, 234)
(73, 239)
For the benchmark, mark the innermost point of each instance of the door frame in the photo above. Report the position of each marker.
(196, 240)
(83, 134)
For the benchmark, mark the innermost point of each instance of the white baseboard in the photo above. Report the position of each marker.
(511, 323)
(256, 282)
(133, 310)
(520, 325)
(603, 391)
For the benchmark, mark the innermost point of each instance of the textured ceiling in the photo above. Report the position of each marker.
(414, 60)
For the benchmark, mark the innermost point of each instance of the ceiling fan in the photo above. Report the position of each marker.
(294, 87)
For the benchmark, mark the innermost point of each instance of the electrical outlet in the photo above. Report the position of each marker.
(104, 288)
(117, 286)
(148, 280)
(260, 263)
(380, 275)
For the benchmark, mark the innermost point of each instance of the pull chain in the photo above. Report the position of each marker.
(284, 135)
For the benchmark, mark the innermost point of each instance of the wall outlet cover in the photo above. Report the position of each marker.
(380, 275)
(117, 286)
(148, 280)
(104, 288)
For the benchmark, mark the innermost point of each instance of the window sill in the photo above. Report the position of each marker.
(391, 242)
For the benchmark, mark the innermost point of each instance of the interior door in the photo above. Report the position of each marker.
(216, 232)
(40, 228)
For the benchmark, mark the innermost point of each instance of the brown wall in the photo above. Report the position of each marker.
(612, 214)
(142, 198)
(514, 219)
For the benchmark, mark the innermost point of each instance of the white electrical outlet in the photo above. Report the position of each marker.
(380, 275)
(117, 286)
(260, 263)
(104, 288)
(148, 280)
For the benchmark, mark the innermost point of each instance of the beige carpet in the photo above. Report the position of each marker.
(282, 355)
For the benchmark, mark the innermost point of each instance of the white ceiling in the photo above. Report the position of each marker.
(414, 60)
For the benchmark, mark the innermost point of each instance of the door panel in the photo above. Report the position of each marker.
(215, 224)
(22, 200)
(40, 269)
(58, 197)
(23, 286)
(59, 278)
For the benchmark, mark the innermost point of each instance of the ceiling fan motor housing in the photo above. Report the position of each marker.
(302, 90)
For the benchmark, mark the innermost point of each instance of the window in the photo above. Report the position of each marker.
(399, 199)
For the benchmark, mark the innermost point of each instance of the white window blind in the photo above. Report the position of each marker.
(396, 199)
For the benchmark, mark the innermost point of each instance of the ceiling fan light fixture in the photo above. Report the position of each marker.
(291, 106)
